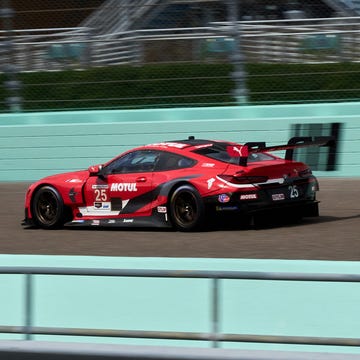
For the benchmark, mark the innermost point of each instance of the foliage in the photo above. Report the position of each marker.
(183, 84)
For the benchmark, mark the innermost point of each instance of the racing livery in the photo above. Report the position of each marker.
(184, 184)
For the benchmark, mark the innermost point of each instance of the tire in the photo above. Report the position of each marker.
(48, 208)
(187, 211)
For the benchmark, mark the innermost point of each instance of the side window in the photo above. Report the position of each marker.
(137, 161)
(171, 161)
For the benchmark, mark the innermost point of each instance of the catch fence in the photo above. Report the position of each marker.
(159, 54)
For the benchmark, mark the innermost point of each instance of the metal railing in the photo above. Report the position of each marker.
(119, 15)
(28, 329)
(280, 41)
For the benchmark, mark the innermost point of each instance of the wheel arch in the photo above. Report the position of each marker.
(176, 186)
(67, 208)
(201, 208)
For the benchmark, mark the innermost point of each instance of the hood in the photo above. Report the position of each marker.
(69, 177)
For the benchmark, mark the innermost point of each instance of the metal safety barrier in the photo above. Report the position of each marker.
(215, 276)
(42, 350)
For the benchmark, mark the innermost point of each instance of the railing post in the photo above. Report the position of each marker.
(215, 312)
(237, 57)
(28, 307)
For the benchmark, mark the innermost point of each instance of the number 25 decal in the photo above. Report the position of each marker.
(100, 195)
(294, 192)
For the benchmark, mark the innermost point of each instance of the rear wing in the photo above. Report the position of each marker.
(295, 142)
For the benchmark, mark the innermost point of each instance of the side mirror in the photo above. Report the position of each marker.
(94, 170)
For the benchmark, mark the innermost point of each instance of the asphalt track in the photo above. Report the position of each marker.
(335, 235)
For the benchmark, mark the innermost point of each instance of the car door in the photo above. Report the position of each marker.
(124, 187)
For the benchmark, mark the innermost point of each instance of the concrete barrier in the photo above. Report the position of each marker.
(34, 145)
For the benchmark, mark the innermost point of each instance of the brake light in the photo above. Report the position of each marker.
(233, 179)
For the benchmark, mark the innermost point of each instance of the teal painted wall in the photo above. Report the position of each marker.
(248, 307)
(34, 145)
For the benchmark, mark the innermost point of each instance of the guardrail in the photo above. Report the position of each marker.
(215, 276)
(38, 350)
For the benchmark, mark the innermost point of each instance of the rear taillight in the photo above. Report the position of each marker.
(233, 179)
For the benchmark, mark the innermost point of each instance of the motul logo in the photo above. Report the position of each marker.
(123, 187)
(248, 197)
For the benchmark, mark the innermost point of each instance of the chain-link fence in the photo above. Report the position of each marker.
(81, 54)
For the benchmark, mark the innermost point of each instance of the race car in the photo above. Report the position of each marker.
(182, 184)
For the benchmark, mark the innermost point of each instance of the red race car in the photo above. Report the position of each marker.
(183, 184)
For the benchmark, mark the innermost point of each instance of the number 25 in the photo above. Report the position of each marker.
(294, 192)
(100, 195)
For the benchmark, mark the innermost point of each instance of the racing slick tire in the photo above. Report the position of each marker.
(48, 209)
(187, 210)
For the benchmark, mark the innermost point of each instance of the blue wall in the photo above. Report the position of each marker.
(34, 145)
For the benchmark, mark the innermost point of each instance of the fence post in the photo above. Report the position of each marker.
(237, 57)
(215, 311)
(28, 306)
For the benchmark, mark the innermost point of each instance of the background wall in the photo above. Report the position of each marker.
(34, 145)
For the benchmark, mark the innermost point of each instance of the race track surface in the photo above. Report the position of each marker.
(335, 235)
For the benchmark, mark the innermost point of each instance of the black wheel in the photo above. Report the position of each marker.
(187, 210)
(48, 208)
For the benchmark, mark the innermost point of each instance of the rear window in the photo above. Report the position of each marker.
(218, 152)
(172, 161)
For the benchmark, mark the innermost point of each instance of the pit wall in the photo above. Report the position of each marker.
(34, 145)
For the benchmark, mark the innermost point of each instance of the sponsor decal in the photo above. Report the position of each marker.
(72, 195)
(207, 165)
(227, 208)
(224, 198)
(241, 151)
(128, 220)
(100, 186)
(202, 146)
(277, 197)
(162, 209)
(210, 183)
(73, 180)
(170, 144)
(248, 196)
(123, 187)
(102, 205)
(95, 210)
(95, 222)
(111, 221)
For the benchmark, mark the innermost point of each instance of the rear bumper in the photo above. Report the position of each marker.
(299, 197)
(305, 208)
